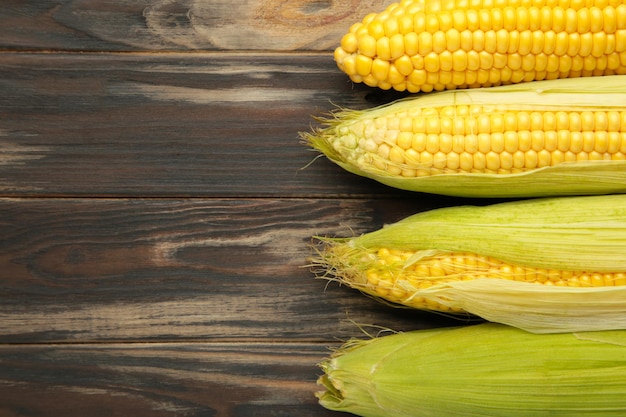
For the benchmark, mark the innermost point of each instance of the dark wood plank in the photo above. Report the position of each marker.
(161, 380)
(155, 216)
(218, 125)
(153, 270)
(120, 25)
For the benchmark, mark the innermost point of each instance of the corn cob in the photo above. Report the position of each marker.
(426, 45)
(543, 265)
(545, 138)
(485, 370)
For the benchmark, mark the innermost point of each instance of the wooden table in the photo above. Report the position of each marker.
(157, 207)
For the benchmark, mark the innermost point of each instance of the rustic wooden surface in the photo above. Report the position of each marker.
(157, 207)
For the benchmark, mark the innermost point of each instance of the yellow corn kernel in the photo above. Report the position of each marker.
(509, 132)
(523, 41)
(541, 142)
(574, 242)
(363, 65)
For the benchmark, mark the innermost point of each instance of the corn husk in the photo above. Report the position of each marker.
(485, 370)
(586, 233)
(606, 93)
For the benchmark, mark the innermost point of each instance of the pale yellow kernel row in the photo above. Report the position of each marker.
(473, 79)
(475, 119)
(511, 141)
(469, 48)
(393, 277)
(510, 152)
(601, 18)
(439, 72)
(404, 64)
(412, 164)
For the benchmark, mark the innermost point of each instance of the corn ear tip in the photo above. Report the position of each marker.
(323, 260)
(320, 137)
(330, 394)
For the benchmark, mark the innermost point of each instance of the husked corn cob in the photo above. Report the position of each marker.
(544, 265)
(486, 370)
(426, 45)
(558, 137)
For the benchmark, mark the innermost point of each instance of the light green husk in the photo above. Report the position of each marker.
(569, 178)
(486, 370)
(585, 233)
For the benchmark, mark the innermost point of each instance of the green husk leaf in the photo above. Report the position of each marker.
(571, 233)
(569, 178)
(585, 233)
(485, 370)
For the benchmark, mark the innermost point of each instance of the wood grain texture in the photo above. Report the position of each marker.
(157, 207)
(109, 269)
(123, 25)
(161, 380)
(217, 125)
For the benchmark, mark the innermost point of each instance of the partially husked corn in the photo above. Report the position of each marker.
(426, 45)
(544, 265)
(542, 138)
(397, 275)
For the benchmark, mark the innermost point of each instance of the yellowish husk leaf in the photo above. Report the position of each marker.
(585, 233)
(485, 370)
(568, 178)
(606, 93)
(537, 308)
